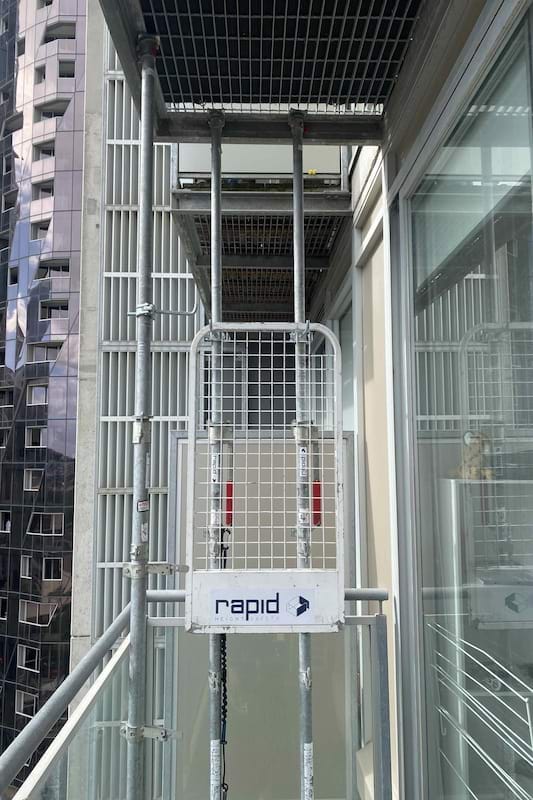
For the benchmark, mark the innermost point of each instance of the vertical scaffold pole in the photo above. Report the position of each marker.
(303, 445)
(216, 123)
(134, 730)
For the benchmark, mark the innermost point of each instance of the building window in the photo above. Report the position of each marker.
(40, 74)
(32, 479)
(2, 356)
(52, 569)
(25, 566)
(49, 351)
(42, 191)
(4, 436)
(4, 25)
(3, 607)
(37, 394)
(6, 398)
(53, 309)
(5, 521)
(21, 46)
(50, 110)
(52, 268)
(28, 657)
(25, 703)
(13, 276)
(39, 229)
(44, 3)
(9, 200)
(39, 614)
(67, 69)
(36, 437)
(8, 163)
(46, 524)
(4, 96)
(59, 30)
(469, 302)
(44, 150)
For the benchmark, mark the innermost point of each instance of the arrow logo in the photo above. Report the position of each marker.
(298, 606)
(516, 602)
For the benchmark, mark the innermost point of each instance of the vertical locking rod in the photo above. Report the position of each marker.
(216, 123)
(147, 49)
(303, 444)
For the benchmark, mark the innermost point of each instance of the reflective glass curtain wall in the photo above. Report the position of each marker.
(472, 349)
(40, 221)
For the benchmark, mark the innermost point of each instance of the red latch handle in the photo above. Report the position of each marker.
(317, 503)
(229, 503)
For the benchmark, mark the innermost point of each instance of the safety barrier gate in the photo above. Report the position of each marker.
(265, 488)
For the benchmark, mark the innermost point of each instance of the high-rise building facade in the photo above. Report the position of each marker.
(42, 70)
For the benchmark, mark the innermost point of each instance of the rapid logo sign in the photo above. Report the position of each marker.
(260, 607)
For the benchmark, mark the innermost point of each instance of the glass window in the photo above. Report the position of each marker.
(3, 607)
(4, 436)
(25, 703)
(32, 479)
(36, 613)
(43, 150)
(5, 521)
(44, 524)
(346, 341)
(36, 437)
(25, 566)
(37, 394)
(38, 353)
(6, 397)
(472, 306)
(54, 309)
(52, 569)
(28, 657)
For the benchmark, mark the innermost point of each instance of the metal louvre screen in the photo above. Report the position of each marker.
(243, 503)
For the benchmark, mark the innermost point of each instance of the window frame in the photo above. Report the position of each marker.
(32, 386)
(26, 559)
(22, 648)
(28, 471)
(29, 429)
(40, 515)
(54, 559)
(21, 693)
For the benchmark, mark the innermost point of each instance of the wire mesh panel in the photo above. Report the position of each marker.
(329, 57)
(247, 457)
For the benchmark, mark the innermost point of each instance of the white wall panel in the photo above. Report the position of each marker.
(173, 289)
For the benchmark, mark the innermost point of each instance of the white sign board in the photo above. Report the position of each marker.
(229, 601)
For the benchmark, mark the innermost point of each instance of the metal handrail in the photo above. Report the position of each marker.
(69, 730)
(28, 740)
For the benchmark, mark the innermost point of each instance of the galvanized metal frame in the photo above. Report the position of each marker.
(138, 572)
(332, 341)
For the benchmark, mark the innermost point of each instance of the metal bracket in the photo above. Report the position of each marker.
(216, 336)
(305, 678)
(137, 733)
(153, 568)
(141, 430)
(219, 431)
(301, 334)
(304, 432)
(144, 310)
(139, 552)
